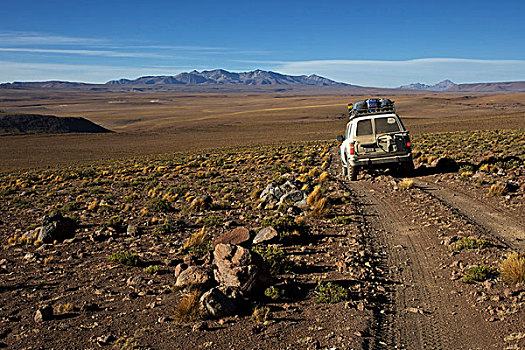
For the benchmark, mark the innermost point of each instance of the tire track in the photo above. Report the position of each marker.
(423, 309)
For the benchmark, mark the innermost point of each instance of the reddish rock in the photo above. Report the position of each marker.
(237, 236)
(197, 276)
(241, 268)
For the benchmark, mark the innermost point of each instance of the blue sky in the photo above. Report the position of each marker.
(383, 43)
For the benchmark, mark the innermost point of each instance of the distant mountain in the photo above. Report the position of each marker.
(11, 123)
(223, 77)
(44, 84)
(510, 86)
(442, 85)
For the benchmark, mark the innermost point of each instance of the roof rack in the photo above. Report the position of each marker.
(371, 106)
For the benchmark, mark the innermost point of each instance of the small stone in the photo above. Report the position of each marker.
(179, 268)
(200, 326)
(105, 339)
(133, 230)
(44, 314)
(29, 256)
(195, 276)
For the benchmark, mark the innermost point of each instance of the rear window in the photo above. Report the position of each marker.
(387, 124)
(364, 127)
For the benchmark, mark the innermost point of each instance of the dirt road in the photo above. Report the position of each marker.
(427, 306)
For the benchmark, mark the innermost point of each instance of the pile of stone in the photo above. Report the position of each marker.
(288, 193)
(232, 276)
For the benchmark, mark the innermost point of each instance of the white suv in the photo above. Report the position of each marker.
(375, 139)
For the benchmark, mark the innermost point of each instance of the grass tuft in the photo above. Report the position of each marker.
(199, 243)
(125, 258)
(497, 190)
(468, 243)
(261, 314)
(187, 308)
(405, 184)
(330, 293)
(512, 268)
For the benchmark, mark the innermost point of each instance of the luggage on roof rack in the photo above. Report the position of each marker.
(371, 106)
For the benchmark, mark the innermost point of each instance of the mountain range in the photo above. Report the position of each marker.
(260, 80)
(223, 77)
(442, 85)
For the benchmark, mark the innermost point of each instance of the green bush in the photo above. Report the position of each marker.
(275, 258)
(125, 258)
(479, 273)
(468, 243)
(159, 205)
(330, 292)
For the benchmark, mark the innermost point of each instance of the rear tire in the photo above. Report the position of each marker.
(353, 171)
(407, 168)
(344, 170)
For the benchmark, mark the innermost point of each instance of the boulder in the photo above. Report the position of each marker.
(55, 227)
(133, 230)
(240, 267)
(216, 304)
(445, 164)
(237, 236)
(195, 276)
(266, 234)
(294, 196)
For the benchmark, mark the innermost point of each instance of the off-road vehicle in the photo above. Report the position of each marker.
(374, 137)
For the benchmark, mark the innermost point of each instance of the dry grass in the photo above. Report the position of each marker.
(64, 308)
(405, 184)
(187, 308)
(314, 196)
(198, 204)
(261, 314)
(198, 243)
(512, 268)
(497, 190)
(321, 208)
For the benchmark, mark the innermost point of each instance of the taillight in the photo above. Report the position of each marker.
(409, 144)
(352, 149)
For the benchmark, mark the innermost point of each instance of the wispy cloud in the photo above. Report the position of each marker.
(33, 38)
(395, 73)
(18, 71)
(84, 52)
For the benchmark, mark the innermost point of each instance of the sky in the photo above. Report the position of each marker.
(379, 43)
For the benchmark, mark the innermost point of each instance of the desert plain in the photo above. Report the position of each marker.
(432, 261)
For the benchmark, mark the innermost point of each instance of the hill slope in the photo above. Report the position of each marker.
(46, 124)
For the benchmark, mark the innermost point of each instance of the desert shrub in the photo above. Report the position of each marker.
(65, 308)
(125, 258)
(321, 208)
(274, 293)
(151, 270)
(115, 222)
(330, 292)
(187, 307)
(71, 206)
(287, 226)
(405, 184)
(468, 243)
(479, 273)
(199, 243)
(512, 268)
(342, 219)
(324, 177)
(159, 205)
(213, 220)
(315, 195)
(275, 258)
(261, 314)
(497, 190)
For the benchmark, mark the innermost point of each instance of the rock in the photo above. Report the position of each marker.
(105, 339)
(29, 256)
(197, 276)
(239, 267)
(44, 314)
(201, 203)
(200, 326)
(55, 227)
(445, 164)
(294, 196)
(238, 236)
(133, 230)
(89, 306)
(266, 234)
(179, 268)
(216, 304)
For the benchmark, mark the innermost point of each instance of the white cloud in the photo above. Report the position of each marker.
(84, 52)
(395, 73)
(32, 38)
(17, 71)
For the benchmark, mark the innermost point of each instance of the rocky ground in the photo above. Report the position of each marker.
(265, 247)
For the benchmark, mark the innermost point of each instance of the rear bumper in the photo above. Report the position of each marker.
(354, 161)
